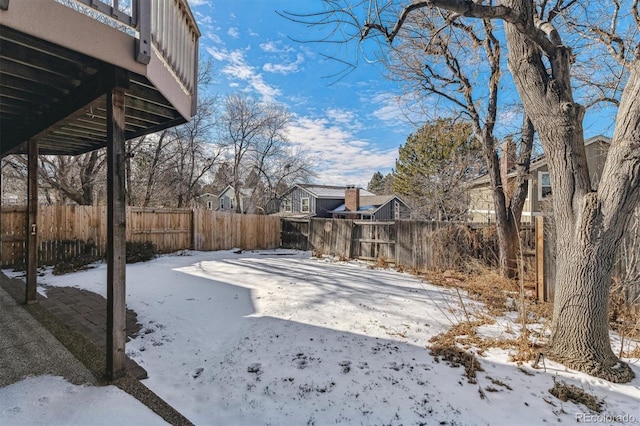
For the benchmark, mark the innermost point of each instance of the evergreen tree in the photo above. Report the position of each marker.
(376, 184)
(432, 167)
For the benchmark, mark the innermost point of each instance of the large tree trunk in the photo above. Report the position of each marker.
(589, 224)
(580, 327)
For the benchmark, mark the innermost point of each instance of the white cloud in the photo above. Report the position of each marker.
(342, 158)
(269, 46)
(235, 67)
(196, 3)
(285, 68)
(233, 32)
(388, 109)
(275, 47)
(344, 117)
(214, 37)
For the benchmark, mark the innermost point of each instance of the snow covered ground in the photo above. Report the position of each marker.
(280, 337)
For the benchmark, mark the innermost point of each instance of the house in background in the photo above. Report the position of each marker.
(480, 197)
(207, 201)
(227, 200)
(309, 200)
(371, 207)
(323, 201)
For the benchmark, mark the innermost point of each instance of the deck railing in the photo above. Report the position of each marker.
(175, 34)
(168, 24)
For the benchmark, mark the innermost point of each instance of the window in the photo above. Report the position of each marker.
(544, 185)
(221, 203)
(304, 202)
(288, 207)
(209, 205)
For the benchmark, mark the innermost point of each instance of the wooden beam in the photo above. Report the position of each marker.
(116, 237)
(143, 42)
(69, 108)
(1, 192)
(32, 223)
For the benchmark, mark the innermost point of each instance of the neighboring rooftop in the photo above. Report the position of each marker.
(328, 191)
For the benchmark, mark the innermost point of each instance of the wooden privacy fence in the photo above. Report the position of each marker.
(69, 230)
(405, 243)
(626, 269)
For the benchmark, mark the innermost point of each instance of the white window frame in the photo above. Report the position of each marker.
(288, 205)
(303, 208)
(541, 195)
(209, 205)
(221, 203)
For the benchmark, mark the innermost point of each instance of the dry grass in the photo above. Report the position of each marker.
(565, 392)
(499, 295)
(457, 357)
(623, 316)
(457, 244)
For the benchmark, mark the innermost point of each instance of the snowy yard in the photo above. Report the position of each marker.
(280, 337)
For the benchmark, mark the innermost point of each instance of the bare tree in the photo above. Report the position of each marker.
(589, 222)
(253, 134)
(457, 65)
(78, 179)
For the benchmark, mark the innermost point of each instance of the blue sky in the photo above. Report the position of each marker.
(354, 125)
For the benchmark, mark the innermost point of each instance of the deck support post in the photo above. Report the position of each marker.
(1, 192)
(31, 230)
(116, 233)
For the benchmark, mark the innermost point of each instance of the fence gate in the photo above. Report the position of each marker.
(295, 233)
(375, 240)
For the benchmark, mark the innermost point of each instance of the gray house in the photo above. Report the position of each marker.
(227, 200)
(207, 200)
(340, 202)
(309, 200)
(371, 207)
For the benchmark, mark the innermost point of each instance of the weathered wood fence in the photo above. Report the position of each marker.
(626, 270)
(405, 243)
(410, 244)
(68, 230)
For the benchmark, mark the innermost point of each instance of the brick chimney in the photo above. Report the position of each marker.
(352, 198)
(507, 163)
(508, 156)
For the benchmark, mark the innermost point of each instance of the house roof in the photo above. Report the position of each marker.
(537, 162)
(369, 203)
(327, 191)
(245, 192)
(207, 194)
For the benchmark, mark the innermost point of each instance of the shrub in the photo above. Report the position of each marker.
(140, 251)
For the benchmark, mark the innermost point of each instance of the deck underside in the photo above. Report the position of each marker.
(58, 97)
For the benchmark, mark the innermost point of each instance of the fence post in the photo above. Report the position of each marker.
(540, 275)
(193, 229)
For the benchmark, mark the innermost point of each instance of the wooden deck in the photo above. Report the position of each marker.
(78, 75)
(58, 59)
